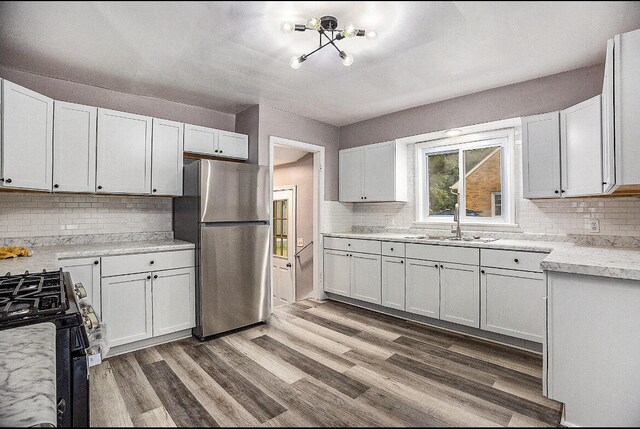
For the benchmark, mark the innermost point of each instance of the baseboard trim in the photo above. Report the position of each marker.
(149, 342)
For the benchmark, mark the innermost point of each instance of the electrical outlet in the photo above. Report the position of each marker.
(594, 226)
(300, 242)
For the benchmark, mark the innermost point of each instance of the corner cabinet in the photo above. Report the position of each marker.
(209, 141)
(74, 147)
(27, 139)
(166, 158)
(124, 153)
(373, 173)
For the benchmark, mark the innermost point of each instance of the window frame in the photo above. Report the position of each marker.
(458, 144)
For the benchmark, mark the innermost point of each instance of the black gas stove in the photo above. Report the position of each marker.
(48, 296)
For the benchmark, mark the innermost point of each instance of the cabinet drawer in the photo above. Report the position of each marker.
(430, 252)
(143, 262)
(353, 245)
(389, 248)
(513, 260)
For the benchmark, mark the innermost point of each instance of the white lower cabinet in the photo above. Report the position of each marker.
(173, 301)
(460, 294)
(127, 308)
(393, 282)
(87, 272)
(512, 303)
(366, 278)
(423, 288)
(337, 272)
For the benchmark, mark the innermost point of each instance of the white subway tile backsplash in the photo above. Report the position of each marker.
(35, 215)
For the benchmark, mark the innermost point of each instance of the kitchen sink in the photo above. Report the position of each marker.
(472, 239)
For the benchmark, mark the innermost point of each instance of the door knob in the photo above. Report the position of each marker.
(288, 264)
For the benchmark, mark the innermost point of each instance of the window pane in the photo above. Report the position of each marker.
(279, 208)
(444, 175)
(285, 228)
(284, 248)
(483, 181)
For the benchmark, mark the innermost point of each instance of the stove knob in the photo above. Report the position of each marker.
(80, 290)
(87, 322)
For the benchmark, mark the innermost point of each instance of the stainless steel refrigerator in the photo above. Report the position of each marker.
(225, 211)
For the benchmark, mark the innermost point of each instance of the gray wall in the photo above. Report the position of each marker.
(248, 122)
(525, 98)
(74, 92)
(300, 174)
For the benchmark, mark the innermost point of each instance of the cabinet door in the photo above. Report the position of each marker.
(581, 148)
(87, 272)
(608, 127)
(460, 294)
(173, 301)
(74, 147)
(541, 156)
(124, 153)
(393, 282)
(337, 272)
(351, 178)
(366, 277)
(27, 138)
(166, 159)
(379, 172)
(423, 288)
(512, 303)
(233, 145)
(200, 139)
(127, 307)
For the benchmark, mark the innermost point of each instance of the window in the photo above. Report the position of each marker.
(472, 169)
(280, 228)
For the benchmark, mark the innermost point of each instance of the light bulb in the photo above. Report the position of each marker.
(313, 23)
(295, 63)
(347, 59)
(287, 27)
(349, 30)
(371, 34)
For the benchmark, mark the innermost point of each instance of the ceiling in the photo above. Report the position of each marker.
(231, 55)
(287, 154)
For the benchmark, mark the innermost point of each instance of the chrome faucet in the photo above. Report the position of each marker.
(456, 219)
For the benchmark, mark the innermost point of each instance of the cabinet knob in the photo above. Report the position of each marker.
(516, 260)
(563, 191)
(402, 262)
(556, 191)
(482, 271)
(365, 198)
(604, 183)
(99, 187)
(348, 244)
(148, 277)
(392, 249)
(441, 266)
(152, 262)
(436, 265)
(96, 262)
(56, 186)
(154, 190)
(155, 276)
(220, 151)
(8, 181)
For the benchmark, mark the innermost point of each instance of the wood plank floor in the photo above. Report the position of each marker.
(324, 364)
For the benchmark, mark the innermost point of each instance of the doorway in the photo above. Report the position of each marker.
(298, 192)
(284, 239)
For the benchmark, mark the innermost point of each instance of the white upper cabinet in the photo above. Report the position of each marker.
(209, 141)
(124, 153)
(608, 126)
(374, 173)
(27, 138)
(166, 158)
(581, 148)
(74, 147)
(541, 156)
(233, 145)
(351, 175)
(200, 139)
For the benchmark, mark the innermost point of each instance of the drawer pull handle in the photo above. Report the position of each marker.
(516, 260)
(348, 244)
(152, 262)
(392, 249)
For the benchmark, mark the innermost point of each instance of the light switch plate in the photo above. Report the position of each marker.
(594, 226)
(300, 242)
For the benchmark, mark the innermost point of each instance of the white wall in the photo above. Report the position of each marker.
(617, 216)
(36, 215)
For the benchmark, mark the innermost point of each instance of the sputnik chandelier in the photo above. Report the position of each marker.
(327, 28)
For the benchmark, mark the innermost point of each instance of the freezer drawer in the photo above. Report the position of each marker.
(234, 277)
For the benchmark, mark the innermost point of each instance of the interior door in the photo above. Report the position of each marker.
(27, 138)
(74, 148)
(352, 175)
(284, 247)
(166, 159)
(379, 172)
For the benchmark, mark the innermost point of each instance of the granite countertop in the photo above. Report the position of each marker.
(46, 257)
(28, 376)
(566, 257)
